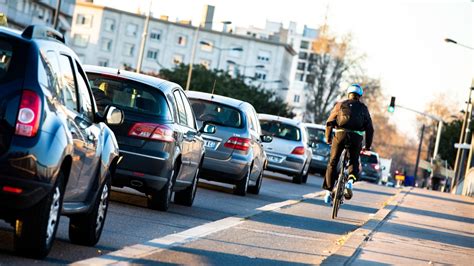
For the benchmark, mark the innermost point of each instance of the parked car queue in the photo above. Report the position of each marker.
(108, 127)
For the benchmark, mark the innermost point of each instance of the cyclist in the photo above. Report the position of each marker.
(350, 118)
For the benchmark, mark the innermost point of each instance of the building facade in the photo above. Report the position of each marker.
(110, 37)
(299, 74)
(21, 13)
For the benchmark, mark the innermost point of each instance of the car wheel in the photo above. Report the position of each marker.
(186, 197)
(298, 179)
(86, 229)
(305, 176)
(160, 200)
(36, 230)
(242, 186)
(256, 189)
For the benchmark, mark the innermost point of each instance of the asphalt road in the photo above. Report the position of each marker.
(130, 222)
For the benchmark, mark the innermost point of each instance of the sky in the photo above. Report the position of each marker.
(402, 40)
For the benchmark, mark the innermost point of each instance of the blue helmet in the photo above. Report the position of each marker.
(355, 88)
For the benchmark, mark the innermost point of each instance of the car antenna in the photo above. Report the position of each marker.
(213, 88)
(118, 71)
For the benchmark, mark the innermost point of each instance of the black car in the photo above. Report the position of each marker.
(370, 166)
(57, 154)
(162, 147)
(321, 149)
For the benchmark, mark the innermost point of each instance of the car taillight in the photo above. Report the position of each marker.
(298, 150)
(14, 190)
(27, 122)
(237, 143)
(376, 166)
(151, 131)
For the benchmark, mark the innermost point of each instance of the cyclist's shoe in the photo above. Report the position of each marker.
(348, 190)
(328, 197)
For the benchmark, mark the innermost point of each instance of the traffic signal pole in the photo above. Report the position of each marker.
(419, 151)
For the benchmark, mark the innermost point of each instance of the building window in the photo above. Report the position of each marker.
(304, 45)
(205, 63)
(263, 56)
(301, 66)
(128, 49)
(178, 59)
(131, 30)
(299, 77)
(155, 35)
(109, 24)
(296, 98)
(236, 53)
(103, 62)
(182, 40)
(84, 20)
(152, 54)
(303, 55)
(106, 45)
(81, 40)
(260, 75)
(310, 78)
(207, 48)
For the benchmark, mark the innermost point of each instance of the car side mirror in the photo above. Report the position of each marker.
(266, 138)
(312, 145)
(207, 128)
(113, 115)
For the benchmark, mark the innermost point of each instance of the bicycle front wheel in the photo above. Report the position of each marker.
(337, 197)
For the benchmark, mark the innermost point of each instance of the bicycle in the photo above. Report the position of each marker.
(341, 181)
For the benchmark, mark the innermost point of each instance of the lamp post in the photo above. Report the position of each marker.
(143, 42)
(244, 66)
(220, 49)
(448, 40)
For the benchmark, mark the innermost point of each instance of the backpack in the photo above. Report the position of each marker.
(351, 115)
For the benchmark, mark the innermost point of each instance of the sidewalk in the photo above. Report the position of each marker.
(427, 227)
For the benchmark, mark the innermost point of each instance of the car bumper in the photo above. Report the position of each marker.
(290, 165)
(227, 171)
(142, 172)
(318, 165)
(371, 178)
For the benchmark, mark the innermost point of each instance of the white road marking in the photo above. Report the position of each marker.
(127, 254)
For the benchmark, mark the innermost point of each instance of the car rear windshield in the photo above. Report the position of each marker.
(12, 60)
(316, 135)
(368, 158)
(128, 95)
(280, 130)
(216, 113)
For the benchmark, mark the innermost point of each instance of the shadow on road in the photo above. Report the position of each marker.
(436, 214)
(441, 198)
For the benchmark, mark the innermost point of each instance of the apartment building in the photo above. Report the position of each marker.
(299, 74)
(110, 37)
(21, 13)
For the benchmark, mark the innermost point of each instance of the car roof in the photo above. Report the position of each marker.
(164, 85)
(312, 125)
(216, 98)
(279, 118)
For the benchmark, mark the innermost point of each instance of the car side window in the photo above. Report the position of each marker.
(255, 122)
(181, 111)
(84, 94)
(68, 83)
(189, 111)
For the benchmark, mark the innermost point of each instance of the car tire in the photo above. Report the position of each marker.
(86, 229)
(305, 176)
(161, 199)
(186, 197)
(258, 184)
(36, 230)
(299, 178)
(243, 184)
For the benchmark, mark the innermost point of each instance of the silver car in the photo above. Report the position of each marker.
(234, 154)
(290, 152)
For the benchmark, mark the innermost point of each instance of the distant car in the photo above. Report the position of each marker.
(57, 155)
(235, 153)
(161, 144)
(289, 152)
(321, 149)
(370, 167)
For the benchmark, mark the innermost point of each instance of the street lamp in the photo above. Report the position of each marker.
(220, 49)
(244, 66)
(448, 40)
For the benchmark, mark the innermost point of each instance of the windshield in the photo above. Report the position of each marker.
(316, 135)
(368, 158)
(280, 130)
(216, 113)
(129, 96)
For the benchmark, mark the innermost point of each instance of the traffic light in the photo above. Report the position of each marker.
(391, 107)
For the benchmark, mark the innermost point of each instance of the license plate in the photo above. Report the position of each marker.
(274, 159)
(210, 144)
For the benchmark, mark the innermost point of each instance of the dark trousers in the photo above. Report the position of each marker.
(339, 141)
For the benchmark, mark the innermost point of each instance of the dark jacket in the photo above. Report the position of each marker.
(367, 125)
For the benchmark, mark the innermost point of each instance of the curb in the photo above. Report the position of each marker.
(353, 245)
(129, 254)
